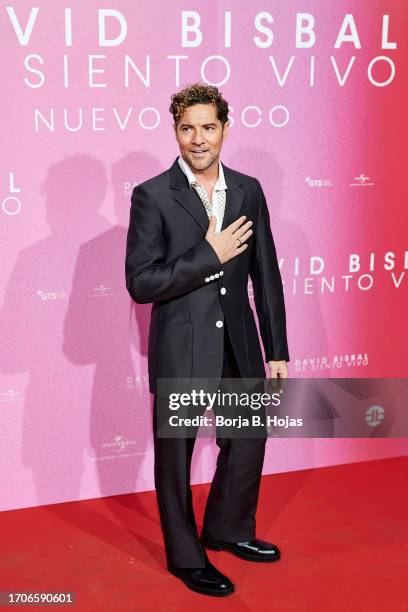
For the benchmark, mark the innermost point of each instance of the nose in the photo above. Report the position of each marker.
(198, 138)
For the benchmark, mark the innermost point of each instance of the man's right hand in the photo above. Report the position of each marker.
(226, 243)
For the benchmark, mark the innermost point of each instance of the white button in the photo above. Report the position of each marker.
(207, 280)
(223, 290)
(217, 275)
(219, 323)
(221, 272)
(212, 277)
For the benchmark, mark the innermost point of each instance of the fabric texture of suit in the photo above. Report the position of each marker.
(171, 264)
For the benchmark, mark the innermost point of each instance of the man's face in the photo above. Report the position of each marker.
(200, 136)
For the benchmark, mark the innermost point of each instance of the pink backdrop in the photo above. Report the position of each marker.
(321, 124)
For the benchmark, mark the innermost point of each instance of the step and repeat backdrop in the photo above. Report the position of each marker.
(317, 95)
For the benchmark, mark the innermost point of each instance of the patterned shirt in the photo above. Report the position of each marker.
(217, 204)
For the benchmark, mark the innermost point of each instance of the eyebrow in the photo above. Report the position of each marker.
(204, 124)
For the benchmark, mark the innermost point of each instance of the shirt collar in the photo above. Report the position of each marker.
(220, 183)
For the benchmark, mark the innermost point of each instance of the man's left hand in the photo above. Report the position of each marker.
(278, 369)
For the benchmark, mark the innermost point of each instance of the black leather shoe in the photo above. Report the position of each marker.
(253, 550)
(206, 580)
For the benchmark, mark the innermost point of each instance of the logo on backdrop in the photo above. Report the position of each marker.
(11, 395)
(101, 291)
(137, 382)
(119, 446)
(50, 296)
(314, 182)
(337, 362)
(375, 415)
(362, 181)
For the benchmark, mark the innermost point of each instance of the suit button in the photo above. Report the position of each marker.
(221, 272)
(216, 275)
(223, 290)
(219, 323)
(212, 277)
(207, 280)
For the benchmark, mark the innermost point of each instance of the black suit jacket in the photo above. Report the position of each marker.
(169, 263)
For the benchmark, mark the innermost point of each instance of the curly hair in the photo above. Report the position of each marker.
(198, 93)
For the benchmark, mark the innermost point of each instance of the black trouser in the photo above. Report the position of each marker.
(232, 501)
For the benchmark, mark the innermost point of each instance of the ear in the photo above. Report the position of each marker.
(225, 130)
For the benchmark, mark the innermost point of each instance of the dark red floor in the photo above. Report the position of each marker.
(343, 532)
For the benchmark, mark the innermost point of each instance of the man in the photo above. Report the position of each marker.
(196, 233)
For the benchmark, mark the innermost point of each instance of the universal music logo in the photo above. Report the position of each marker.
(101, 291)
(119, 447)
(362, 181)
(119, 444)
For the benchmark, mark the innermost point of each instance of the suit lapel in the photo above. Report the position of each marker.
(235, 196)
(190, 200)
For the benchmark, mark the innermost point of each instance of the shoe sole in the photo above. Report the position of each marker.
(203, 591)
(245, 556)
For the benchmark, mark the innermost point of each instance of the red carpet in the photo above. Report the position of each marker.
(343, 532)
